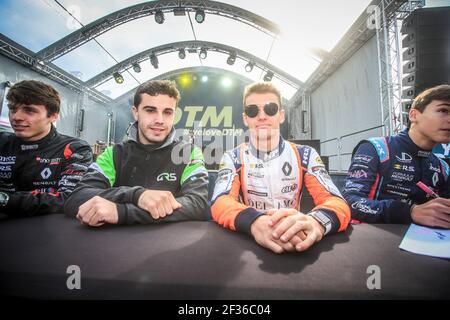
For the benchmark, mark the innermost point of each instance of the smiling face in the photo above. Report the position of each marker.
(31, 122)
(155, 117)
(433, 124)
(264, 129)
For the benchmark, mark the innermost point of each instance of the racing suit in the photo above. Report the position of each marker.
(381, 182)
(251, 182)
(123, 172)
(38, 176)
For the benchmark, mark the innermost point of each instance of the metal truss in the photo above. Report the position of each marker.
(390, 62)
(354, 39)
(386, 15)
(25, 57)
(108, 22)
(198, 69)
(193, 46)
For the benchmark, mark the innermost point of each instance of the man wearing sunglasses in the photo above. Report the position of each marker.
(259, 184)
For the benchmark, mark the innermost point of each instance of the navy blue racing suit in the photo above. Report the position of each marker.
(381, 181)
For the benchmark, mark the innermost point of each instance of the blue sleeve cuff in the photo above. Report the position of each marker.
(245, 219)
(399, 212)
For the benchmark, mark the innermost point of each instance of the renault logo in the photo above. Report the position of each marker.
(46, 173)
(287, 168)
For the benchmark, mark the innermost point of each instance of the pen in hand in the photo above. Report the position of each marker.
(427, 190)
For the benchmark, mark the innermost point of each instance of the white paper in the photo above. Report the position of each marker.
(427, 241)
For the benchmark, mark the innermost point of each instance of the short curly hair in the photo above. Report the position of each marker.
(155, 87)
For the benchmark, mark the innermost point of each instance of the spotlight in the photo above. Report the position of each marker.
(203, 53)
(136, 67)
(226, 82)
(159, 17)
(268, 76)
(204, 78)
(181, 54)
(154, 60)
(231, 59)
(185, 80)
(199, 15)
(118, 77)
(249, 67)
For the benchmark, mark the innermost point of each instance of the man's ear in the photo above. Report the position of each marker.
(134, 111)
(413, 115)
(244, 119)
(282, 116)
(54, 117)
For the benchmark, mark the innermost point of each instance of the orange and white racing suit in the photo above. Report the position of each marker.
(251, 182)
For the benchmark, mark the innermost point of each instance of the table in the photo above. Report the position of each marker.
(200, 260)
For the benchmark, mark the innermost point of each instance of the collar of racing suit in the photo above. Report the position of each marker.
(411, 147)
(133, 136)
(266, 156)
(33, 145)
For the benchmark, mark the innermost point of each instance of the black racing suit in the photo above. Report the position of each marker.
(38, 176)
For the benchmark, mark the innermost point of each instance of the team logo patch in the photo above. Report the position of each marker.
(435, 179)
(287, 169)
(46, 173)
(358, 174)
(405, 158)
(362, 158)
(166, 176)
(256, 166)
(290, 188)
(257, 193)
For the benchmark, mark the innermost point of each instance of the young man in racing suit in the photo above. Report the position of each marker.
(259, 184)
(150, 178)
(38, 166)
(381, 182)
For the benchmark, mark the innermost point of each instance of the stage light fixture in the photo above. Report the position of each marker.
(203, 53)
(231, 58)
(204, 78)
(268, 77)
(179, 12)
(118, 77)
(249, 67)
(159, 17)
(154, 60)
(185, 80)
(181, 54)
(199, 15)
(136, 67)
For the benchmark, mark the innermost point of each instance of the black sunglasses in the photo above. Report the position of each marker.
(270, 108)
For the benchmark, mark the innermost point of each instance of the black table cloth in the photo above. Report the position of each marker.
(200, 260)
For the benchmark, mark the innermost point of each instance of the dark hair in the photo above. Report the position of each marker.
(34, 92)
(441, 92)
(262, 87)
(155, 87)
